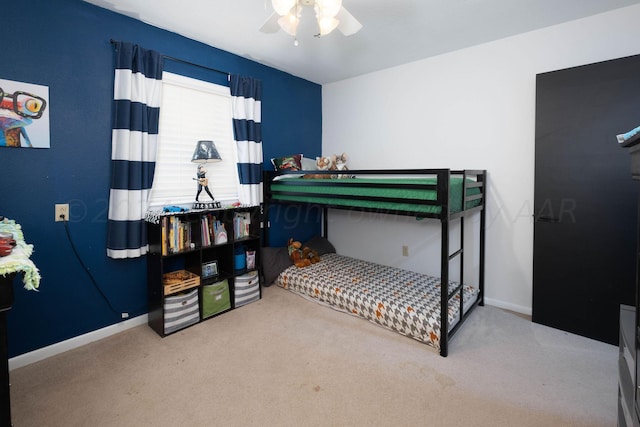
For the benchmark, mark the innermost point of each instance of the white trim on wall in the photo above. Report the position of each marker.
(506, 306)
(70, 344)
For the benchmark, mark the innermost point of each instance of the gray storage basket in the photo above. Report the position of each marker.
(247, 288)
(181, 311)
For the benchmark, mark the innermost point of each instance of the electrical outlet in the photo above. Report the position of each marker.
(405, 251)
(62, 212)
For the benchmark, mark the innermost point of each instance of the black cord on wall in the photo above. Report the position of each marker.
(123, 314)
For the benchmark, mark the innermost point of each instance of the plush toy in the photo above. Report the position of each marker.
(310, 254)
(302, 256)
(340, 164)
(322, 164)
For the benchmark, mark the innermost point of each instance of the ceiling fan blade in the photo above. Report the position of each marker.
(348, 24)
(271, 24)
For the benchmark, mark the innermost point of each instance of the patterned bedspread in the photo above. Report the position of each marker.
(401, 300)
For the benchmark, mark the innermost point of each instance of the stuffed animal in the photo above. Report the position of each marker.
(310, 254)
(322, 164)
(340, 164)
(301, 256)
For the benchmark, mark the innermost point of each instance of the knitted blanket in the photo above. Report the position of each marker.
(19, 260)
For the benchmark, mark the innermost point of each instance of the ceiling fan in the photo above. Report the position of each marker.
(329, 13)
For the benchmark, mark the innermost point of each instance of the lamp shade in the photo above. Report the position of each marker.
(205, 152)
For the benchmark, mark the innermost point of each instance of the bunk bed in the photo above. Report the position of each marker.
(410, 303)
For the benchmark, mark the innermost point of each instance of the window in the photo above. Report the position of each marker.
(193, 110)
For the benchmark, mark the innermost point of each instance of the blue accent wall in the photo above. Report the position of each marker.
(65, 45)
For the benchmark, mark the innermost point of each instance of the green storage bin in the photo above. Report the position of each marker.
(215, 298)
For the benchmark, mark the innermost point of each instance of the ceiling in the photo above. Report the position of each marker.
(394, 32)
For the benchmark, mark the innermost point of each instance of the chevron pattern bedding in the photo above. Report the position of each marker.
(401, 300)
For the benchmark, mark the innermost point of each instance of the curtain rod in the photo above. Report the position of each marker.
(171, 58)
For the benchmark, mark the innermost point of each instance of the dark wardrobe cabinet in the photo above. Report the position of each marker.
(629, 349)
(585, 204)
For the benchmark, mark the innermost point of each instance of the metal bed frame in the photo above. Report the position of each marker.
(479, 180)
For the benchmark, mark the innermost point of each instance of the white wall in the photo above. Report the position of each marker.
(473, 108)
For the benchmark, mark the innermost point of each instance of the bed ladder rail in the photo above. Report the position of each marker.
(447, 257)
(481, 183)
(456, 253)
(459, 252)
(452, 293)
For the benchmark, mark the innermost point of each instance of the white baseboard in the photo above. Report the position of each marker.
(75, 342)
(508, 306)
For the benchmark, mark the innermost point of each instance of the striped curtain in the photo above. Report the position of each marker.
(246, 97)
(137, 94)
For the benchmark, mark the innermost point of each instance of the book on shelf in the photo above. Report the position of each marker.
(213, 231)
(176, 235)
(163, 242)
(204, 231)
(241, 224)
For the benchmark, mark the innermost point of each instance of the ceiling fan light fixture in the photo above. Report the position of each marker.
(289, 23)
(283, 7)
(327, 24)
(327, 8)
(330, 14)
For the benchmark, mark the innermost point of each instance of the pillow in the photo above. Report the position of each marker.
(292, 162)
(274, 262)
(320, 244)
(309, 164)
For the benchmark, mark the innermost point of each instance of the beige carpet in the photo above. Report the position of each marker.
(285, 361)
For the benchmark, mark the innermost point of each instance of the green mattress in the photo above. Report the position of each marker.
(411, 190)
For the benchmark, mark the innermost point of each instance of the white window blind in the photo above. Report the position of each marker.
(193, 110)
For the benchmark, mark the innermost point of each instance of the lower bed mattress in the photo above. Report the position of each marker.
(403, 301)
